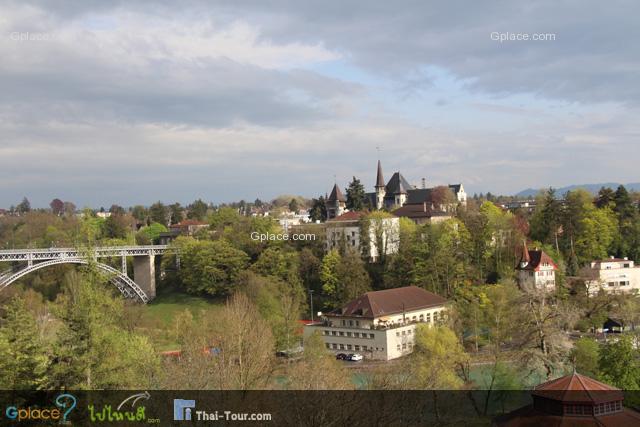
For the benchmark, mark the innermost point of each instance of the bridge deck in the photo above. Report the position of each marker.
(98, 252)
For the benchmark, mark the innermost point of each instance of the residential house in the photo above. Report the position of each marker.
(536, 270)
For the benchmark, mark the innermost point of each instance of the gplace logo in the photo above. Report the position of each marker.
(65, 404)
(182, 409)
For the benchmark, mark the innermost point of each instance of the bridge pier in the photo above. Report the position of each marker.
(144, 274)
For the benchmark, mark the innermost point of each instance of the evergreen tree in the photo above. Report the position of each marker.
(356, 196)
(197, 210)
(318, 210)
(22, 355)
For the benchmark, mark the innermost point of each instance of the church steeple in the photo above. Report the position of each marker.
(379, 178)
(381, 191)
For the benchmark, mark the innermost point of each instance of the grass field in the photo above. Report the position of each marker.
(158, 316)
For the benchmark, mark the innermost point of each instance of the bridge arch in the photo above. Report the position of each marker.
(125, 285)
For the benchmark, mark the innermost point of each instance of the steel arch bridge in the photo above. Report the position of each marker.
(142, 289)
(125, 285)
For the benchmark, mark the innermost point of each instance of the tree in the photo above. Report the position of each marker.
(69, 208)
(318, 210)
(356, 195)
(57, 207)
(209, 267)
(149, 234)
(437, 358)
(605, 197)
(158, 213)
(92, 350)
(231, 349)
(599, 227)
(585, 355)
(176, 213)
(116, 226)
(224, 216)
(618, 364)
(318, 369)
(197, 210)
(22, 353)
(293, 206)
(24, 206)
(140, 213)
(330, 278)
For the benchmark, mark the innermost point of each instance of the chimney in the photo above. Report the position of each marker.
(611, 257)
(626, 258)
(424, 183)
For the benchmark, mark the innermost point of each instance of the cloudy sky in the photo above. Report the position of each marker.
(131, 102)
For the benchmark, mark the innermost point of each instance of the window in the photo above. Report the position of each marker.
(364, 348)
(421, 317)
(435, 316)
(397, 333)
(404, 346)
(344, 322)
(398, 347)
(356, 347)
(348, 334)
(341, 346)
(348, 346)
(341, 333)
(328, 345)
(357, 323)
(325, 332)
(371, 336)
(404, 332)
(334, 345)
(350, 322)
(428, 317)
(333, 333)
(409, 332)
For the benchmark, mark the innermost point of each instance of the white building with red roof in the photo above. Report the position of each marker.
(536, 270)
(380, 325)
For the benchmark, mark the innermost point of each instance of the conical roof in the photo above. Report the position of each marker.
(379, 178)
(576, 388)
(336, 195)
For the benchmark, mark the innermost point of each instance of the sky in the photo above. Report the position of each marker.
(133, 102)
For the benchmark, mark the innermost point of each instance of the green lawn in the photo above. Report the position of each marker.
(158, 316)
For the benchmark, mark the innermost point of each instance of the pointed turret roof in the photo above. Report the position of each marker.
(576, 388)
(398, 185)
(524, 257)
(379, 178)
(336, 195)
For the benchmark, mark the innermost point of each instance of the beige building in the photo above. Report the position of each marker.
(614, 275)
(536, 270)
(346, 230)
(380, 325)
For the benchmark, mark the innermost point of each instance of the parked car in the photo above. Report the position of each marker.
(342, 356)
(355, 357)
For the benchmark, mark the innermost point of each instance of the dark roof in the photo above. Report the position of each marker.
(336, 195)
(419, 195)
(455, 187)
(414, 210)
(379, 178)
(398, 185)
(390, 301)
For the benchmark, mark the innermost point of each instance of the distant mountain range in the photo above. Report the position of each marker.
(593, 188)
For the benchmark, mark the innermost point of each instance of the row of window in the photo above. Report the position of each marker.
(348, 334)
(621, 283)
(405, 346)
(354, 347)
(405, 332)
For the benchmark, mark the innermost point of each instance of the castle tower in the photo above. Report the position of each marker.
(380, 188)
(336, 203)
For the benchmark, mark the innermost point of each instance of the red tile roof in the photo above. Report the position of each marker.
(534, 258)
(390, 301)
(577, 388)
(349, 216)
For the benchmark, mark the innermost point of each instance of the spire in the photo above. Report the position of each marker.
(379, 178)
(336, 195)
(525, 258)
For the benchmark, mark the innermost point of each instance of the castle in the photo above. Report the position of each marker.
(403, 198)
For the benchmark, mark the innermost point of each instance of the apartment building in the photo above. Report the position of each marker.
(380, 325)
(614, 275)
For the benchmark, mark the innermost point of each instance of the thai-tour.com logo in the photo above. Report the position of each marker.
(185, 410)
(129, 410)
(64, 404)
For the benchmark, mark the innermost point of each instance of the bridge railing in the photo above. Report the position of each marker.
(99, 252)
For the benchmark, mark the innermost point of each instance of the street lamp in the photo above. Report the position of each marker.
(311, 300)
